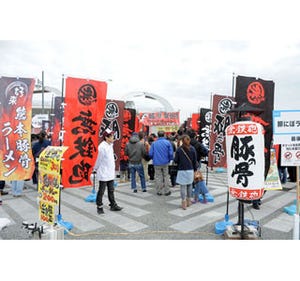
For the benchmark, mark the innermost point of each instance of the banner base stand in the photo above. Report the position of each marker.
(220, 227)
(220, 170)
(291, 210)
(91, 197)
(234, 232)
(67, 225)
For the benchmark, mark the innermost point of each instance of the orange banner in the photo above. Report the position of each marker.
(16, 160)
(85, 102)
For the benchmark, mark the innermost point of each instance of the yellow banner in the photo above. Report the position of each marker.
(272, 181)
(49, 181)
(47, 212)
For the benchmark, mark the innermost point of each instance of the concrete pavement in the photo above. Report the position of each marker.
(147, 216)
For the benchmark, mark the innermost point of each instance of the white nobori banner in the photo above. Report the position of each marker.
(245, 160)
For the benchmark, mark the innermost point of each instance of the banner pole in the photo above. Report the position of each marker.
(296, 216)
(43, 91)
(65, 224)
(61, 128)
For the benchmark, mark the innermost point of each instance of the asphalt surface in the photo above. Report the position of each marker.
(147, 216)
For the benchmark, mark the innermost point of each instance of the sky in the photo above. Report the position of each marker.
(175, 51)
(185, 72)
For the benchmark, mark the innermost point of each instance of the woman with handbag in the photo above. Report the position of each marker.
(186, 160)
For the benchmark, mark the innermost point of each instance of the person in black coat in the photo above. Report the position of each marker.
(201, 150)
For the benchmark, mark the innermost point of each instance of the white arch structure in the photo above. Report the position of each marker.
(167, 106)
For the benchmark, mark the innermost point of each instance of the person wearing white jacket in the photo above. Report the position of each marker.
(105, 172)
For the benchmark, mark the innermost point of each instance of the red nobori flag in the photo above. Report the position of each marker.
(195, 123)
(85, 103)
(16, 160)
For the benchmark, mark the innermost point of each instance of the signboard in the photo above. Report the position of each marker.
(290, 154)
(159, 118)
(245, 160)
(286, 126)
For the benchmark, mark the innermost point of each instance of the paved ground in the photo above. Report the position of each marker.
(147, 216)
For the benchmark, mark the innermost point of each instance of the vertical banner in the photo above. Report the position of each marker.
(128, 129)
(49, 182)
(245, 160)
(221, 119)
(16, 160)
(56, 138)
(113, 119)
(205, 126)
(195, 121)
(259, 94)
(84, 106)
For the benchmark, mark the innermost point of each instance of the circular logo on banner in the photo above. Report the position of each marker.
(255, 93)
(208, 117)
(87, 94)
(287, 155)
(15, 90)
(111, 110)
(298, 154)
(224, 105)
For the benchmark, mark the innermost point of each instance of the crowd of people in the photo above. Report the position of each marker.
(166, 160)
(150, 158)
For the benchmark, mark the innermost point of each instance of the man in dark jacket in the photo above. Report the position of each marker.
(135, 150)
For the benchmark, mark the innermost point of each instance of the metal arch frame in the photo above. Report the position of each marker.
(168, 107)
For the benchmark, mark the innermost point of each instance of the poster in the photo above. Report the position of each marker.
(49, 181)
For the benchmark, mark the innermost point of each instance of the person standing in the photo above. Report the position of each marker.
(186, 159)
(172, 170)
(2, 185)
(282, 170)
(151, 172)
(201, 150)
(161, 152)
(135, 150)
(105, 169)
(2, 192)
(17, 187)
(37, 148)
(147, 148)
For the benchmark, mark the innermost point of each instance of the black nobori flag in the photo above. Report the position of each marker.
(255, 97)
(205, 125)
